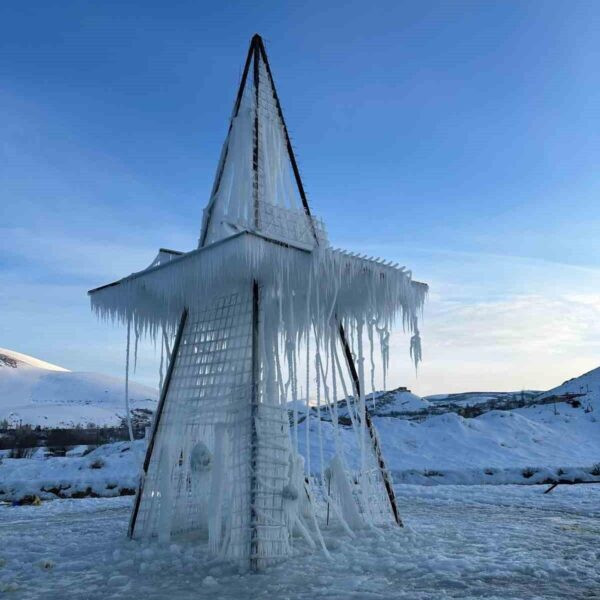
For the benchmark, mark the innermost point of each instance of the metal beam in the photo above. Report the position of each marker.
(221, 166)
(255, 137)
(254, 552)
(370, 427)
(157, 417)
(290, 150)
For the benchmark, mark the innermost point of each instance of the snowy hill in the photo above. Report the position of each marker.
(10, 358)
(473, 398)
(588, 385)
(391, 403)
(492, 447)
(395, 401)
(526, 445)
(35, 392)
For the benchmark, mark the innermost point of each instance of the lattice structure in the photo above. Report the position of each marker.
(208, 394)
(260, 309)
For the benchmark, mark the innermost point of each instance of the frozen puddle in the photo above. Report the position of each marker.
(462, 542)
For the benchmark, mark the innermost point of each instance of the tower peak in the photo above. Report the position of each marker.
(258, 186)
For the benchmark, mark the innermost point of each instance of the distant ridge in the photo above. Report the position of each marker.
(38, 393)
(18, 357)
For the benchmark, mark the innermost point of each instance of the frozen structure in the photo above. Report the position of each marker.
(271, 325)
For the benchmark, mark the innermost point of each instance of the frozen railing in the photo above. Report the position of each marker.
(290, 225)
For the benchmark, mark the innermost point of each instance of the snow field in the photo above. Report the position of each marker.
(476, 542)
(109, 470)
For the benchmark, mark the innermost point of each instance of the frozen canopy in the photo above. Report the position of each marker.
(258, 226)
(329, 281)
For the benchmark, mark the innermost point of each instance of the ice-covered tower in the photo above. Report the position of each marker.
(259, 314)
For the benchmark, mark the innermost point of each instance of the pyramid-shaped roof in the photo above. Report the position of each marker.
(257, 186)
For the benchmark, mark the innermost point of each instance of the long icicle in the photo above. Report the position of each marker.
(135, 347)
(128, 414)
(162, 361)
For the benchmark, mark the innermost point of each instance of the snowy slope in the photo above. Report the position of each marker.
(543, 435)
(472, 398)
(478, 543)
(395, 401)
(525, 445)
(37, 393)
(390, 403)
(10, 358)
(587, 384)
(109, 470)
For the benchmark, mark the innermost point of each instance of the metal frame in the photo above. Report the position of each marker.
(254, 553)
(159, 412)
(256, 51)
(370, 428)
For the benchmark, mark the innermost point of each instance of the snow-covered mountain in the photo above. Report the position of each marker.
(35, 392)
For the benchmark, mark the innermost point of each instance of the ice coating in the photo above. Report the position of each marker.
(312, 288)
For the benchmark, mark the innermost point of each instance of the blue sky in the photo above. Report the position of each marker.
(459, 138)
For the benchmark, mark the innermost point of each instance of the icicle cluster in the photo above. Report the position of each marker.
(350, 288)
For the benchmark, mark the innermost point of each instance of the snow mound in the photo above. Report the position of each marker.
(396, 401)
(391, 403)
(586, 387)
(109, 470)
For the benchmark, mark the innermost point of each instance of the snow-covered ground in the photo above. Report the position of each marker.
(34, 392)
(525, 445)
(498, 446)
(109, 470)
(476, 542)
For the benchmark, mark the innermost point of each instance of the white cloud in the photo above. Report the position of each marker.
(523, 341)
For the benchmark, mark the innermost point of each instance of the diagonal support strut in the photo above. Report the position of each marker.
(370, 428)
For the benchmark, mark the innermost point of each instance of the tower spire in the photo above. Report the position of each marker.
(258, 185)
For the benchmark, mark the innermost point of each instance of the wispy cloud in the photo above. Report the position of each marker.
(524, 341)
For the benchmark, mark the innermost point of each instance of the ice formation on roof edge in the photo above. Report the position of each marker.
(315, 287)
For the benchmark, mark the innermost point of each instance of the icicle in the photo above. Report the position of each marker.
(384, 346)
(167, 348)
(217, 484)
(307, 419)
(127, 411)
(320, 421)
(162, 360)
(415, 345)
(336, 422)
(361, 394)
(349, 510)
(156, 296)
(370, 324)
(295, 400)
(349, 398)
(135, 347)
